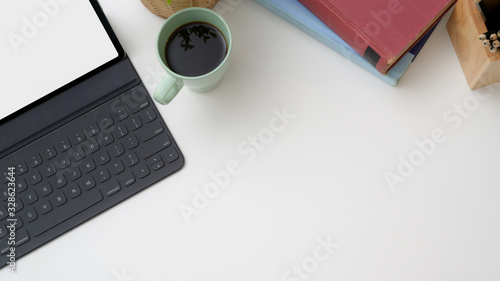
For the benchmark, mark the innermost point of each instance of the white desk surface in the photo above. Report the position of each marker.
(319, 177)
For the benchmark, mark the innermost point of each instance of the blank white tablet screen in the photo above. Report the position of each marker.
(46, 44)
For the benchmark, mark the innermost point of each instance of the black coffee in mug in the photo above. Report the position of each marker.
(195, 49)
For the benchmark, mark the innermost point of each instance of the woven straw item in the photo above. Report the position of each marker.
(160, 7)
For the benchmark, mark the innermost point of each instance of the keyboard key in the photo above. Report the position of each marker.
(35, 161)
(3, 214)
(77, 137)
(148, 115)
(87, 183)
(140, 171)
(154, 159)
(73, 191)
(88, 165)
(29, 215)
(126, 179)
(106, 122)
(107, 139)
(65, 212)
(63, 145)
(29, 197)
(154, 146)
(116, 150)
(21, 237)
(121, 113)
(73, 173)
(141, 102)
(90, 146)
(131, 142)
(33, 178)
(131, 159)
(158, 165)
(102, 158)
(49, 153)
(4, 195)
(19, 222)
(102, 175)
(18, 205)
(21, 185)
(116, 167)
(3, 231)
(134, 123)
(120, 131)
(4, 247)
(44, 207)
(21, 168)
(91, 130)
(58, 181)
(111, 188)
(151, 131)
(61, 162)
(48, 170)
(44, 189)
(59, 199)
(171, 155)
(76, 155)
(155, 162)
(5, 177)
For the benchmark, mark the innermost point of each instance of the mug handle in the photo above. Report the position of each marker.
(168, 88)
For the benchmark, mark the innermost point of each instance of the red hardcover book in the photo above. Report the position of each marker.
(382, 31)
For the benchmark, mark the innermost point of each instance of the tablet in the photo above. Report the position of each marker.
(47, 47)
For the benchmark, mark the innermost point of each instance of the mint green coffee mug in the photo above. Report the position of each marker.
(172, 38)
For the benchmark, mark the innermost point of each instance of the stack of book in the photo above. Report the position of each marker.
(382, 36)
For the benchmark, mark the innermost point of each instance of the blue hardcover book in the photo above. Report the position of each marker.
(295, 13)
